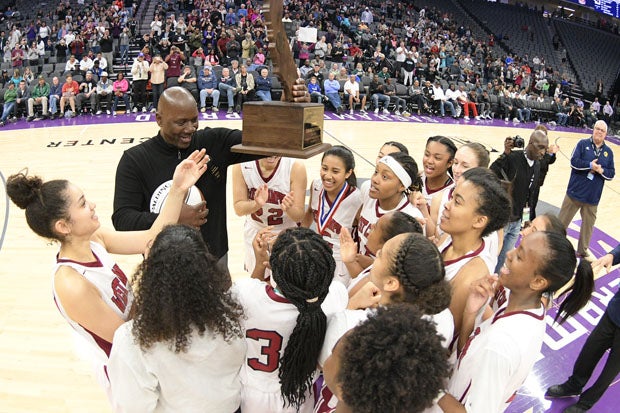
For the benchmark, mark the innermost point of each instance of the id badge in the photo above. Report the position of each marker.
(526, 215)
(590, 176)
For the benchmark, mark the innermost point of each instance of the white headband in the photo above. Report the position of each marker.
(398, 170)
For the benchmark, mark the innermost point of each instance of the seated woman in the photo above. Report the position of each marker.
(121, 91)
(183, 349)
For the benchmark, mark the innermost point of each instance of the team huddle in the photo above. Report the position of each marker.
(379, 297)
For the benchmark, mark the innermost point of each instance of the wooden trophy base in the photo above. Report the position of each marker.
(293, 130)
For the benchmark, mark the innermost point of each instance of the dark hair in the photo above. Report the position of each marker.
(447, 142)
(397, 145)
(302, 266)
(419, 267)
(45, 203)
(403, 353)
(558, 266)
(411, 167)
(493, 200)
(400, 223)
(482, 154)
(180, 287)
(347, 158)
(554, 224)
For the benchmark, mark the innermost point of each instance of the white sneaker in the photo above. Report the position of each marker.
(376, 111)
(351, 111)
(397, 113)
(477, 117)
(506, 119)
(406, 114)
(135, 109)
(143, 109)
(153, 110)
(362, 111)
(466, 117)
(386, 112)
(108, 112)
(113, 113)
(98, 112)
(515, 120)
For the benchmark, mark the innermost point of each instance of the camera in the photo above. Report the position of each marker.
(518, 142)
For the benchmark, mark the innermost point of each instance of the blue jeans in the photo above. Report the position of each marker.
(380, 97)
(54, 103)
(230, 93)
(511, 233)
(215, 94)
(334, 99)
(125, 99)
(264, 95)
(7, 110)
(442, 107)
(124, 52)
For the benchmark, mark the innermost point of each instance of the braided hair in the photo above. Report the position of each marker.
(419, 267)
(302, 265)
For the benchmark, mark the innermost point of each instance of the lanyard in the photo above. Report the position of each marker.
(325, 212)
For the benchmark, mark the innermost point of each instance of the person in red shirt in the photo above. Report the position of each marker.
(69, 90)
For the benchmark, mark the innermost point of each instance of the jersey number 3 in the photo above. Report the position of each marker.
(271, 349)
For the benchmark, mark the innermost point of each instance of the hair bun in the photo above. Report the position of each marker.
(23, 189)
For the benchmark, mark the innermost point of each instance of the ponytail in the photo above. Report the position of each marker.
(579, 293)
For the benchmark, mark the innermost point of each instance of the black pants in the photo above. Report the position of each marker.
(139, 93)
(606, 335)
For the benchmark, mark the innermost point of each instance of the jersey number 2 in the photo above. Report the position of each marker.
(274, 218)
(271, 350)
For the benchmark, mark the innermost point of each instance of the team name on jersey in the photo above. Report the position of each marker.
(274, 197)
(119, 287)
(331, 225)
(364, 226)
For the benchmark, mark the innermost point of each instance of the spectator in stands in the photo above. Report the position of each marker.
(263, 85)
(508, 108)
(105, 91)
(189, 81)
(21, 100)
(85, 64)
(32, 54)
(378, 96)
(39, 96)
(61, 51)
(342, 74)
(408, 69)
(416, 96)
(140, 77)
(353, 95)
(314, 88)
(123, 45)
(88, 93)
(28, 76)
(18, 56)
(560, 114)
(467, 104)
(70, 90)
(524, 113)
(54, 96)
(9, 103)
(77, 46)
(400, 104)
(208, 86)
(384, 73)
(175, 61)
(576, 117)
(72, 66)
(121, 91)
(332, 91)
(158, 77)
(608, 112)
(107, 50)
(227, 85)
(245, 87)
(442, 101)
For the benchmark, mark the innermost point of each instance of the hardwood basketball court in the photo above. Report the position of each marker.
(39, 368)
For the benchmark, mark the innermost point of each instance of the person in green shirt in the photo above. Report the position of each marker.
(10, 96)
(40, 95)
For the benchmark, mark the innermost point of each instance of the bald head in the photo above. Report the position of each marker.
(537, 147)
(175, 97)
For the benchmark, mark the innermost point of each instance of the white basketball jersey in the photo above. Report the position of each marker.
(371, 212)
(487, 252)
(269, 321)
(113, 287)
(271, 214)
(430, 194)
(332, 217)
(498, 355)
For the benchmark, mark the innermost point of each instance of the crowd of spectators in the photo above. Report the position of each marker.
(403, 58)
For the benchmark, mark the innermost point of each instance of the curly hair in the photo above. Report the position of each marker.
(180, 287)
(44, 202)
(302, 266)
(419, 267)
(391, 361)
(398, 223)
(493, 200)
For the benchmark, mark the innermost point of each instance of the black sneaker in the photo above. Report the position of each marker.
(29, 118)
(560, 391)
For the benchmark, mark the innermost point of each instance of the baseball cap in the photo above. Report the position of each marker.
(140, 54)
(41, 77)
(90, 72)
(104, 74)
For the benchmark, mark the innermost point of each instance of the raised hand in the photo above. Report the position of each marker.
(194, 215)
(261, 195)
(261, 244)
(348, 247)
(606, 261)
(288, 201)
(479, 292)
(190, 170)
(369, 296)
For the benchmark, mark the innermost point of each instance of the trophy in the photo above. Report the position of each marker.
(282, 128)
